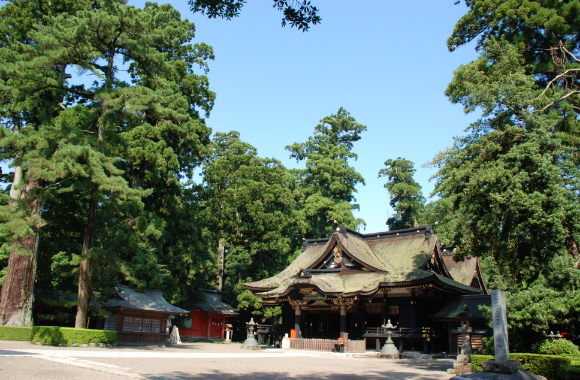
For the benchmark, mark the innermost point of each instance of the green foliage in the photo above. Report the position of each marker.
(250, 203)
(406, 197)
(573, 370)
(328, 183)
(131, 144)
(299, 13)
(478, 360)
(560, 347)
(512, 182)
(15, 333)
(551, 367)
(67, 335)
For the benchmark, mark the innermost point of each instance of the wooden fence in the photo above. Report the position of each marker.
(355, 346)
(327, 345)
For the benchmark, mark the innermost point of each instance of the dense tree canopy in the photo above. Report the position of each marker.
(512, 181)
(328, 183)
(406, 197)
(250, 204)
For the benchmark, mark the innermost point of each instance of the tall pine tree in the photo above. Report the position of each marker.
(406, 197)
(328, 183)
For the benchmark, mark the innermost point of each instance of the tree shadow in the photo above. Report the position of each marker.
(5, 352)
(179, 375)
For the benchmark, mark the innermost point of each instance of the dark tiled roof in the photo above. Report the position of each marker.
(149, 299)
(454, 307)
(215, 305)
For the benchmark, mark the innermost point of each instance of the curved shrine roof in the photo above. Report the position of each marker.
(389, 259)
(149, 299)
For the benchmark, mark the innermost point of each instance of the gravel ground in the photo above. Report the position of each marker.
(22, 360)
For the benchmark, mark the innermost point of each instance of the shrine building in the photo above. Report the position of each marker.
(353, 283)
(207, 320)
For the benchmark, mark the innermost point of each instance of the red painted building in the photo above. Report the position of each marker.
(207, 320)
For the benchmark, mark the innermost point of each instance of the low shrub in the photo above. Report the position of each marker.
(15, 333)
(68, 335)
(561, 347)
(478, 360)
(573, 370)
(550, 366)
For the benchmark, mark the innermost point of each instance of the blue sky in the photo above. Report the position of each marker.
(384, 61)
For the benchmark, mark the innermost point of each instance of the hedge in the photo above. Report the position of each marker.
(15, 333)
(68, 335)
(573, 370)
(551, 367)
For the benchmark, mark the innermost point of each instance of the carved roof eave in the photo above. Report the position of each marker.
(440, 260)
(479, 274)
(432, 279)
(256, 289)
(336, 240)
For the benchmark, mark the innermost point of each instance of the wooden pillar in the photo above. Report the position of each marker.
(342, 320)
(360, 318)
(386, 306)
(208, 326)
(449, 334)
(384, 313)
(297, 312)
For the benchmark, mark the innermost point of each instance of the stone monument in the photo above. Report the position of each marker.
(286, 342)
(174, 337)
(389, 350)
(501, 368)
(250, 343)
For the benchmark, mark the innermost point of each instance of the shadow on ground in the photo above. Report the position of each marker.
(15, 353)
(438, 371)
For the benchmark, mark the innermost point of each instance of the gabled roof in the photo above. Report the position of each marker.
(467, 271)
(149, 299)
(214, 304)
(388, 259)
(354, 247)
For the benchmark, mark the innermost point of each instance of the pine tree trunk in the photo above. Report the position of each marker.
(83, 295)
(17, 293)
(220, 265)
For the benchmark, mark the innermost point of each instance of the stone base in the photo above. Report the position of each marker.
(518, 375)
(390, 356)
(501, 367)
(390, 352)
(459, 367)
(251, 344)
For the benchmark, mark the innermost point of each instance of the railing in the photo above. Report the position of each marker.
(328, 345)
(314, 344)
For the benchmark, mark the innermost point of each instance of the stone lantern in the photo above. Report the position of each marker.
(389, 350)
(250, 343)
(463, 362)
